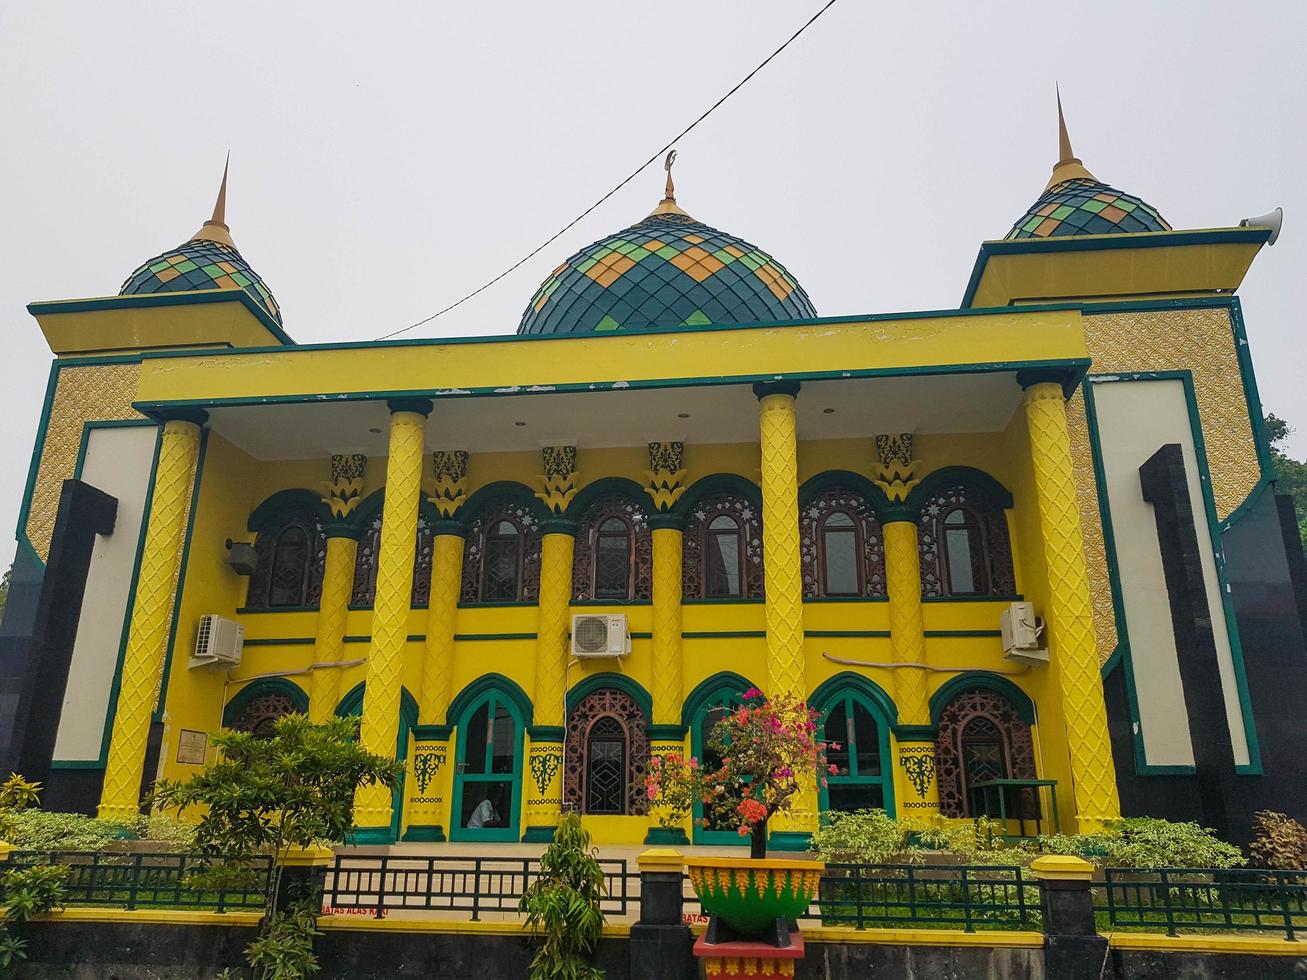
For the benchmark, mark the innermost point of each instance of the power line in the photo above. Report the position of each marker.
(626, 180)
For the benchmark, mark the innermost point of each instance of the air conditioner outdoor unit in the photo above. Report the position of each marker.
(218, 643)
(600, 636)
(1023, 634)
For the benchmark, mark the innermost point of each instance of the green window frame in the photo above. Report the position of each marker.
(492, 701)
(724, 698)
(859, 772)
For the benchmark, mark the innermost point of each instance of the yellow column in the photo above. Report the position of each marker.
(543, 779)
(381, 695)
(147, 642)
(915, 791)
(1069, 613)
(446, 582)
(783, 578)
(341, 495)
(666, 484)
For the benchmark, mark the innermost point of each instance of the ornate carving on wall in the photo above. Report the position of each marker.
(997, 544)
(544, 766)
(1091, 525)
(633, 513)
(666, 474)
(748, 518)
(811, 547)
(495, 510)
(895, 468)
(449, 486)
(262, 711)
(919, 766)
(1019, 749)
(345, 489)
(271, 576)
(559, 477)
(593, 709)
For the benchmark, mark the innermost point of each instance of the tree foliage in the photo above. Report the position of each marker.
(562, 906)
(1291, 474)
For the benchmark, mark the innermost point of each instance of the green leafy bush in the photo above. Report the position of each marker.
(1278, 841)
(285, 949)
(562, 906)
(862, 837)
(45, 830)
(26, 892)
(1147, 842)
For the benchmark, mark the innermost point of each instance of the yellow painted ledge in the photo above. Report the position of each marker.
(362, 923)
(923, 937)
(1207, 944)
(176, 917)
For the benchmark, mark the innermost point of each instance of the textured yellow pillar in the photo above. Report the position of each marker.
(450, 470)
(390, 608)
(783, 579)
(147, 639)
(543, 789)
(341, 494)
(329, 645)
(907, 628)
(1069, 613)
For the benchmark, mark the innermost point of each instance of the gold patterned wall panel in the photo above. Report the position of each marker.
(101, 392)
(1200, 341)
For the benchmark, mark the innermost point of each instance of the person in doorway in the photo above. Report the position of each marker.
(486, 813)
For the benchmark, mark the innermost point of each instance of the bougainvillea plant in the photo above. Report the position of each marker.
(758, 759)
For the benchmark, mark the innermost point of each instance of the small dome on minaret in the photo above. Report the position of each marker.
(208, 260)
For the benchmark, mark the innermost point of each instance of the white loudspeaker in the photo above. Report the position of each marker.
(1273, 220)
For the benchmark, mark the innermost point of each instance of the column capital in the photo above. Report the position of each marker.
(558, 525)
(448, 526)
(447, 490)
(341, 529)
(196, 416)
(1064, 378)
(666, 521)
(421, 406)
(666, 474)
(762, 389)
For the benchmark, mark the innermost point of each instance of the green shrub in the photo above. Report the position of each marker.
(285, 949)
(27, 892)
(562, 906)
(164, 830)
(978, 841)
(1147, 842)
(44, 830)
(1278, 841)
(862, 837)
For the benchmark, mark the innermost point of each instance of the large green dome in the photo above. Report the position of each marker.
(668, 270)
(1086, 207)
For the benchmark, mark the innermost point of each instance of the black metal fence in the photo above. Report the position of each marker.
(924, 896)
(1173, 899)
(148, 880)
(381, 884)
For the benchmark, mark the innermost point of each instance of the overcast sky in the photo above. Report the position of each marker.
(387, 158)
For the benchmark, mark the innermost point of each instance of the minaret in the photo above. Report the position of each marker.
(1068, 166)
(215, 229)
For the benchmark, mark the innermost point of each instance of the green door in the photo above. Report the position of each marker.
(487, 772)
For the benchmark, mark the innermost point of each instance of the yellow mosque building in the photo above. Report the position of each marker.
(1025, 555)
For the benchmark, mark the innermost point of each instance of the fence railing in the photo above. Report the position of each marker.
(910, 895)
(1172, 899)
(147, 880)
(453, 884)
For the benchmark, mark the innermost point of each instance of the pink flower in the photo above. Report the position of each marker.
(751, 693)
(694, 763)
(834, 769)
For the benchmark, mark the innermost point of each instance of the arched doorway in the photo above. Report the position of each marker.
(607, 755)
(487, 802)
(708, 704)
(983, 736)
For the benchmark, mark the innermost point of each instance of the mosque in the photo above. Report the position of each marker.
(1025, 555)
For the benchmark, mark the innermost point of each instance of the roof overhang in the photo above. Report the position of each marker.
(156, 321)
(1092, 268)
(936, 372)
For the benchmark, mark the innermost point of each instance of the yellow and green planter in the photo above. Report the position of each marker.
(748, 895)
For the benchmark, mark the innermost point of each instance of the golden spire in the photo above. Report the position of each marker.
(668, 204)
(1068, 165)
(215, 229)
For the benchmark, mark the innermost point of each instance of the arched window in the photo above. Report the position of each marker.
(982, 737)
(289, 562)
(613, 554)
(722, 549)
(860, 782)
(365, 564)
(717, 704)
(487, 781)
(614, 551)
(260, 716)
(840, 546)
(965, 548)
(607, 755)
(501, 562)
(501, 554)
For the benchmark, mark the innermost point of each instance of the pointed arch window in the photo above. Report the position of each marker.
(841, 548)
(613, 560)
(488, 771)
(290, 559)
(722, 549)
(369, 551)
(606, 755)
(501, 553)
(964, 545)
(859, 784)
(983, 737)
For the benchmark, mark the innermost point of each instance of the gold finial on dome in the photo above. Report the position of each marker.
(668, 204)
(1068, 165)
(215, 229)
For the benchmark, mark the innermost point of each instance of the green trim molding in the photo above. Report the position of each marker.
(666, 837)
(607, 680)
(262, 687)
(486, 684)
(983, 680)
(276, 509)
(424, 834)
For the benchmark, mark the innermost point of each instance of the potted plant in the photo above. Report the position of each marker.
(759, 759)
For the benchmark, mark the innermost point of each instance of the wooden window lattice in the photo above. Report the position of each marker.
(606, 704)
(474, 549)
(871, 542)
(996, 545)
(309, 576)
(365, 565)
(694, 579)
(633, 513)
(987, 715)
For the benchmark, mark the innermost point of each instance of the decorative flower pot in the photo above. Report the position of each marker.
(748, 895)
